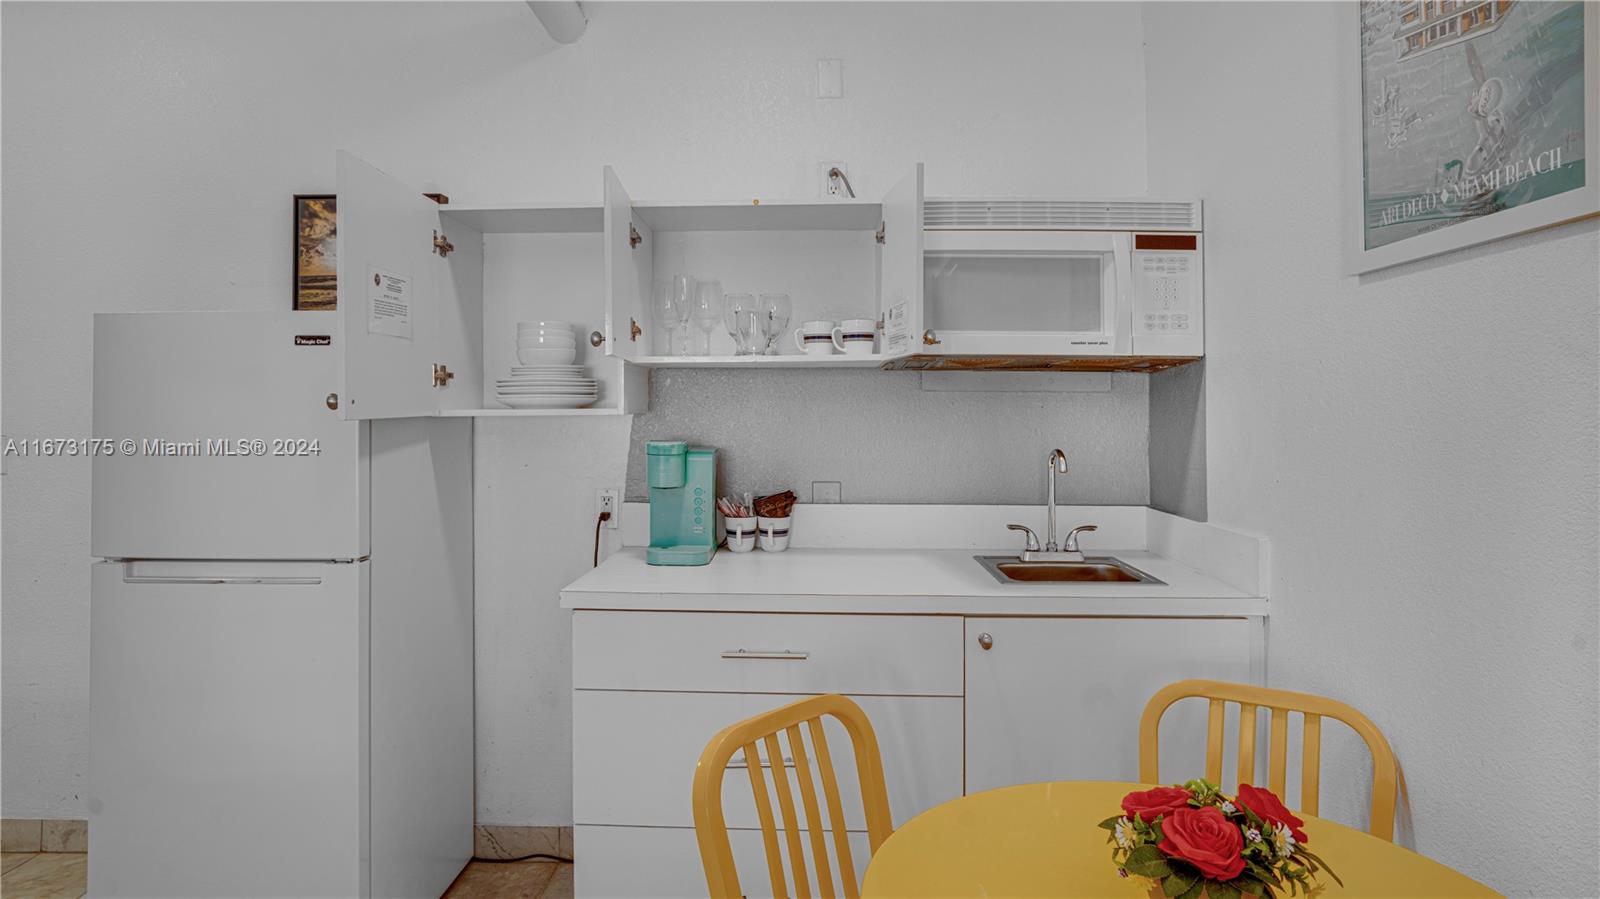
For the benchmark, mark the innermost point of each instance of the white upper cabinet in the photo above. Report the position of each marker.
(400, 298)
(900, 298)
(629, 267)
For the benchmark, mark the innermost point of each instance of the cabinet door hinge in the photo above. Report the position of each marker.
(633, 236)
(879, 235)
(442, 244)
(442, 375)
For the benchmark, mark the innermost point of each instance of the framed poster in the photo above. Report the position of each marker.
(316, 246)
(1477, 120)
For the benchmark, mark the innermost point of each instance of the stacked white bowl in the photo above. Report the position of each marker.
(546, 377)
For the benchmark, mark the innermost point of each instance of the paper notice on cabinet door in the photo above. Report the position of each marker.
(388, 303)
(896, 330)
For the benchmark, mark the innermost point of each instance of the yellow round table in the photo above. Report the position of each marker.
(1043, 839)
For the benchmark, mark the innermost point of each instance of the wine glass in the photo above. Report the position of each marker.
(683, 300)
(775, 310)
(664, 312)
(739, 316)
(707, 309)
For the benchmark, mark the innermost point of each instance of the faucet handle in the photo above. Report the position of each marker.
(1072, 537)
(1033, 539)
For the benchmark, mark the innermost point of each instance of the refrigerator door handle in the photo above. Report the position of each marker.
(200, 579)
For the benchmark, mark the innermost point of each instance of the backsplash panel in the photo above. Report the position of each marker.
(885, 440)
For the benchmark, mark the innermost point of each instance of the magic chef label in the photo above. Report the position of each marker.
(388, 303)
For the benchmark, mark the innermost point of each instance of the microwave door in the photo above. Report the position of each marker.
(1034, 293)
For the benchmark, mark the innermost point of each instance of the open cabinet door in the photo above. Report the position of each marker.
(900, 268)
(389, 297)
(630, 248)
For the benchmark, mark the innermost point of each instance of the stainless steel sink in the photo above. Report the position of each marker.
(1093, 569)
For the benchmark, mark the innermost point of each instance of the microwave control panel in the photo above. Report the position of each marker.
(1167, 314)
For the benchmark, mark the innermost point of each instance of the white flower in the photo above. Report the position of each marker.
(1284, 840)
(1124, 833)
(1228, 808)
(1252, 835)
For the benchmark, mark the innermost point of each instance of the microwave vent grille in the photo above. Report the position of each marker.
(1062, 215)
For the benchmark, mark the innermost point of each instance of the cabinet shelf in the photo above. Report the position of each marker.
(527, 413)
(589, 218)
(794, 360)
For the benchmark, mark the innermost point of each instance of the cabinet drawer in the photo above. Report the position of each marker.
(763, 653)
(664, 863)
(634, 755)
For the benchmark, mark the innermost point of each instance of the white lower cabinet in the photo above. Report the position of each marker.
(639, 754)
(664, 863)
(1048, 699)
(1060, 698)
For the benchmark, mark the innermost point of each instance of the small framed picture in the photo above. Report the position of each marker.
(316, 253)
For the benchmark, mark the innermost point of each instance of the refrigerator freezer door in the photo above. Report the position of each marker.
(192, 391)
(228, 728)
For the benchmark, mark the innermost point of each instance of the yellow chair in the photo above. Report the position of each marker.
(1385, 770)
(711, 828)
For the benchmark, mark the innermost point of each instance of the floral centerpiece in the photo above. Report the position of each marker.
(1193, 841)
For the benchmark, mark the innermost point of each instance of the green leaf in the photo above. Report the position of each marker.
(1195, 889)
(1307, 853)
(1148, 861)
(1216, 889)
(1111, 822)
(1179, 881)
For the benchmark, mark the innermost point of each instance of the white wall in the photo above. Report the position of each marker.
(1419, 444)
(149, 153)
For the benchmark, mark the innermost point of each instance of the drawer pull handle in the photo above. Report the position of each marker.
(783, 656)
(788, 762)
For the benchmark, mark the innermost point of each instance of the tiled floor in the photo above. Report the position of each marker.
(43, 875)
(63, 875)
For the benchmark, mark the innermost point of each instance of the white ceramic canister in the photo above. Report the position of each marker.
(773, 533)
(740, 533)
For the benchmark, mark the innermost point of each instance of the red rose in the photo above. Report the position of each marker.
(1152, 804)
(1205, 838)
(1270, 809)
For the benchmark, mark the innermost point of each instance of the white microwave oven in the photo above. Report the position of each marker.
(1024, 278)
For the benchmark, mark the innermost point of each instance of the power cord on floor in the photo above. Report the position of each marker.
(523, 858)
(604, 517)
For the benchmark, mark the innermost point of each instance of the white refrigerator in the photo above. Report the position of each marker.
(281, 621)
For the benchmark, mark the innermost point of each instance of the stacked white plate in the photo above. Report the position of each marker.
(546, 377)
(547, 387)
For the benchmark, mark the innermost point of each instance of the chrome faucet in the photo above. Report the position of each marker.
(1056, 465)
(1052, 551)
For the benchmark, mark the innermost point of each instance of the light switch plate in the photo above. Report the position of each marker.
(830, 79)
(826, 492)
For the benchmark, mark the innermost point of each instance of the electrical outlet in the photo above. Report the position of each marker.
(605, 500)
(825, 491)
(833, 185)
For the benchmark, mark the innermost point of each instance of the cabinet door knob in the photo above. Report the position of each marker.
(986, 641)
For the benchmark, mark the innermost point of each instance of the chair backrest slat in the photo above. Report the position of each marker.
(1247, 743)
(1213, 743)
(769, 831)
(1311, 763)
(808, 799)
(1278, 751)
(830, 792)
(791, 824)
(716, 853)
(1385, 770)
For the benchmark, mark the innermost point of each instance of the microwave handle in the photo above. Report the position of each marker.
(1122, 295)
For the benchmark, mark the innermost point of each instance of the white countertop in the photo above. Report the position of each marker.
(894, 581)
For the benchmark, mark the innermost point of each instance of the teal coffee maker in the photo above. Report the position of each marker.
(685, 526)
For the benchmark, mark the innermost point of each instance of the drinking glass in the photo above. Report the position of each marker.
(683, 297)
(775, 310)
(664, 312)
(740, 316)
(707, 309)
